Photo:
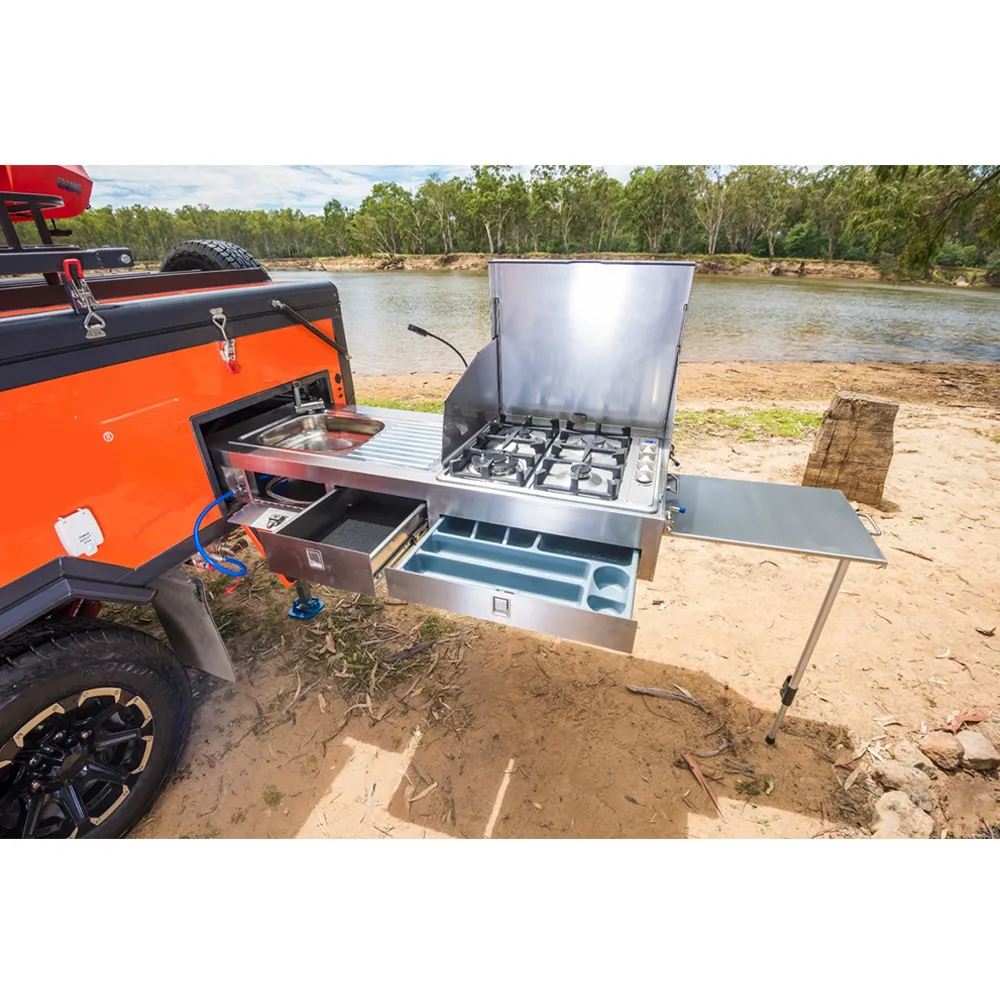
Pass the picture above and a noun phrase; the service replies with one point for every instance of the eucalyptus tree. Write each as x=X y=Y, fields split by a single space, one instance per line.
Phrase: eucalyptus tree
x=711 y=185
x=658 y=202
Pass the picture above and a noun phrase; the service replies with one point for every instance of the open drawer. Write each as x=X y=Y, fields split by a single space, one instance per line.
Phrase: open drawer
x=345 y=540
x=559 y=586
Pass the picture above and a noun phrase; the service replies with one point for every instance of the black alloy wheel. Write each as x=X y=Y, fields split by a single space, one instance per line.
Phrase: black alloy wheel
x=92 y=720
x=71 y=766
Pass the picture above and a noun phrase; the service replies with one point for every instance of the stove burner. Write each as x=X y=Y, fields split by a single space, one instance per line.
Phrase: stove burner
x=494 y=465
x=578 y=478
x=595 y=439
x=534 y=437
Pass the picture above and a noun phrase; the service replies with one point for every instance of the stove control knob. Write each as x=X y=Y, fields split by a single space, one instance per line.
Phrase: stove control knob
x=644 y=471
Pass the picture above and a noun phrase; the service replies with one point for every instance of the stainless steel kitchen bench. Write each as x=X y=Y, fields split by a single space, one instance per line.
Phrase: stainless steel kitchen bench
x=782 y=518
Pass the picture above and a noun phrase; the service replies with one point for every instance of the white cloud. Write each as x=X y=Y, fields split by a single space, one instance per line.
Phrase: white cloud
x=307 y=188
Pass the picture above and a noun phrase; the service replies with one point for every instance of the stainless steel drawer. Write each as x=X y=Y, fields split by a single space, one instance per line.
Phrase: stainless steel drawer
x=546 y=583
x=345 y=540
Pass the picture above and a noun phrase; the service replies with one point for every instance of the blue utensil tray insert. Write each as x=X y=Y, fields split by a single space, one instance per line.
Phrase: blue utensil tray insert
x=590 y=576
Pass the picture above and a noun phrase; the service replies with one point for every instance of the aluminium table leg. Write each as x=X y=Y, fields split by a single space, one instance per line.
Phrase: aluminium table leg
x=791 y=685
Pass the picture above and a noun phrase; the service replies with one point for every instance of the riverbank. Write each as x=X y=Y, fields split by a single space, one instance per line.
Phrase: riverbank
x=762 y=382
x=740 y=265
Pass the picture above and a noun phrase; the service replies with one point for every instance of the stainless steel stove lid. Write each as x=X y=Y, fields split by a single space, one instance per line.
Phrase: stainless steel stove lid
x=600 y=338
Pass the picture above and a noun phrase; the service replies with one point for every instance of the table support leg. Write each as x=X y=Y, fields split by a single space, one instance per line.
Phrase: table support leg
x=791 y=685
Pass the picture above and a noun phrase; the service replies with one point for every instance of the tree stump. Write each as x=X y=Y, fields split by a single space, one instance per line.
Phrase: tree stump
x=854 y=447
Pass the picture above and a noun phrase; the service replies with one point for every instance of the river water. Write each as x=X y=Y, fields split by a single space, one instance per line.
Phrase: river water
x=729 y=319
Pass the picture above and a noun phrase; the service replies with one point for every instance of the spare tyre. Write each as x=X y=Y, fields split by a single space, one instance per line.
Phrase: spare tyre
x=208 y=255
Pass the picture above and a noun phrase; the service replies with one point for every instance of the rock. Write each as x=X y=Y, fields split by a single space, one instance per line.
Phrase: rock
x=991 y=730
x=979 y=753
x=907 y=752
x=942 y=748
x=893 y=776
x=853 y=448
x=897 y=816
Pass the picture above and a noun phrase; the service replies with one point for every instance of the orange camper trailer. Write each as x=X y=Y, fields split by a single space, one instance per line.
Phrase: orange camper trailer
x=110 y=384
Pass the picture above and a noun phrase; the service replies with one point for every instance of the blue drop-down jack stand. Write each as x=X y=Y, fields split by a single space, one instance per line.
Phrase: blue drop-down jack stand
x=305 y=607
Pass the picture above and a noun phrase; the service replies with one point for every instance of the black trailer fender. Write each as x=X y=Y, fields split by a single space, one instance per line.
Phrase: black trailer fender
x=182 y=607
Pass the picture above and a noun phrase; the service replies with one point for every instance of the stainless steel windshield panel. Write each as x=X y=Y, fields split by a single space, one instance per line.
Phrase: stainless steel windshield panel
x=473 y=402
x=597 y=338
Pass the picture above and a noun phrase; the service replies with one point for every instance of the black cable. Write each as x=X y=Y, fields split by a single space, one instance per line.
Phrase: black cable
x=290 y=312
x=413 y=328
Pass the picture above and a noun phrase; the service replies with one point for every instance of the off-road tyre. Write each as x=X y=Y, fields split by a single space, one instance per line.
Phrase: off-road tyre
x=207 y=255
x=60 y=767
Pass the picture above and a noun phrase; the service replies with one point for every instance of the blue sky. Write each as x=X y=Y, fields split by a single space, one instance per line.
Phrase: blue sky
x=305 y=187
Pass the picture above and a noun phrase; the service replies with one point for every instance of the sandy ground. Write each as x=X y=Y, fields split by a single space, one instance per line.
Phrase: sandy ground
x=503 y=732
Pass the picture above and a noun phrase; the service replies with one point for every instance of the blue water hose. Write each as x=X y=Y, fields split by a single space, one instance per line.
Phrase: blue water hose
x=241 y=569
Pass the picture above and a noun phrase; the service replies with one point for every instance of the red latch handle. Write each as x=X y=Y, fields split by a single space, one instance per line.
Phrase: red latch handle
x=68 y=270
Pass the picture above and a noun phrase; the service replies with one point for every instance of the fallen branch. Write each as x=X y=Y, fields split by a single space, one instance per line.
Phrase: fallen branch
x=681 y=695
x=410 y=799
x=696 y=771
x=302 y=692
x=405 y=654
x=910 y=552
x=711 y=753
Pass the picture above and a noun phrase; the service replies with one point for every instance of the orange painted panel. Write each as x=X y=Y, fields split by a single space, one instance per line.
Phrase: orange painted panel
x=119 y=441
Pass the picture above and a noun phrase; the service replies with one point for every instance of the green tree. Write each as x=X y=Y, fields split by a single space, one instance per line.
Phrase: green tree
x=711 y=187
x=335 y=228
x=494 y=195
x=804 y=240
x=442 y=200
x=659 y=201
x=383 y=220
x=910 y=212
x=607 y=207
x=831 y=203
x=559 y=198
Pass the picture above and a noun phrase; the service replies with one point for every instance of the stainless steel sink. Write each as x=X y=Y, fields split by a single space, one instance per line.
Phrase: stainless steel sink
x=326 y=430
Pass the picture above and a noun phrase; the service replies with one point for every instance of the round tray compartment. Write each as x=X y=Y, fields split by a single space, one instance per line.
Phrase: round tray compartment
x=609 y=590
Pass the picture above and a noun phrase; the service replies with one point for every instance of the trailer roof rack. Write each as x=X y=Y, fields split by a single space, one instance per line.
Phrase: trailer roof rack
x=47 y=258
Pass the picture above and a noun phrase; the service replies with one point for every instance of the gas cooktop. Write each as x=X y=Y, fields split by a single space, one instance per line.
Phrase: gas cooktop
x=573 y=459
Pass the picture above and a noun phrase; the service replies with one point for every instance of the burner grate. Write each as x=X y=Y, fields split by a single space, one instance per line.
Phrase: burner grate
x=585 y=478
x=505 y=451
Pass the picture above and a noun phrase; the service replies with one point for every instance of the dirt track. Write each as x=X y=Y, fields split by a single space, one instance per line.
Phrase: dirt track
x=726 y=624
